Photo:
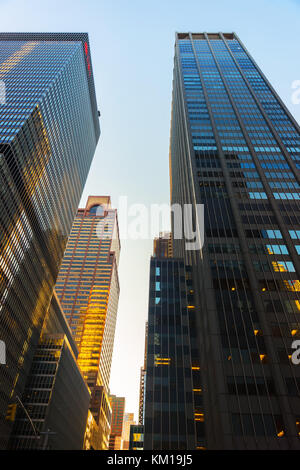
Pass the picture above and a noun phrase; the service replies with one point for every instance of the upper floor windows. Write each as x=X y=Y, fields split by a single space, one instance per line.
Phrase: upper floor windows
x=258 y=195
x=295 y=234
x=271 y=233
x=283 y=266
x=257 y=425
x=295 y=196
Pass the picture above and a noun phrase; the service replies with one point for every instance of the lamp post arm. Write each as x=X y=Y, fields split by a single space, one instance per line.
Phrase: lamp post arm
x=27 y=414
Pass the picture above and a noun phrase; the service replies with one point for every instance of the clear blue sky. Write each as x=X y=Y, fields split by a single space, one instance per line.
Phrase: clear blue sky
x=132 y=54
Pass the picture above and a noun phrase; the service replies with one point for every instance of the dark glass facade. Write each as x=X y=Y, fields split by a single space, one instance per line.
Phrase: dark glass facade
x=236 y=149
x=171 y=419
x=136 y=440
x=48 y=134
x=55 y=396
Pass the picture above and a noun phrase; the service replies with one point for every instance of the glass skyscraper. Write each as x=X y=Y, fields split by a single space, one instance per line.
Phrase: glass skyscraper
x=235 y=148
x=172 y=417
x=88 y=286
x=88 y=289
x=117 y=420
x=48 y=134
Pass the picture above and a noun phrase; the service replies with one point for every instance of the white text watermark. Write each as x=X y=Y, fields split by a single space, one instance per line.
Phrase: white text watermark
x=141 y=222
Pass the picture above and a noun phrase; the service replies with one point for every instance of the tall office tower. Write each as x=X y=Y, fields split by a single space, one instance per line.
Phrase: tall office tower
x=88 y=286
x=101 y=410
x=118 y=410
x=171 y=418
x=88 y=289
x=143 y=380
x=48 y=134
x=91 y=433
x=235 y=148
x=127 y=422
x=56 y=397
x=162 y=245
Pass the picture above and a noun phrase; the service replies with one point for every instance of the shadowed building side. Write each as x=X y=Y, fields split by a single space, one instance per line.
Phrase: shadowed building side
x=235 y=148
x=173 y=414
x=56 y=397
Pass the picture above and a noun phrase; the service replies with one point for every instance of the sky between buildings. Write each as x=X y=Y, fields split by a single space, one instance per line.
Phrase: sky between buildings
x=132 y=46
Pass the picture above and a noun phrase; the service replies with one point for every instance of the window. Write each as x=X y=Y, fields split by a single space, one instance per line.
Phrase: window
x=272 y=233
x=250 y=385
x=257 y=424
x=97 y=210
x=294 y=234
x=286 y=196
x=293 y=385
x=257 y=195
x=277 y=250
x=283 y=266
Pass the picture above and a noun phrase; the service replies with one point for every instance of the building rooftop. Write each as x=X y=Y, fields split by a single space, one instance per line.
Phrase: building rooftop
x=67 y=37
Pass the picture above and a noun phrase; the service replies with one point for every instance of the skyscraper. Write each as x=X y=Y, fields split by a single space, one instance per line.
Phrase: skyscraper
x=88 y=289
x=127 y=422
x=88 y=286
x=101 y=410
x=170 y=418
x=235 y=148
x=48 y=134
x=118 y=410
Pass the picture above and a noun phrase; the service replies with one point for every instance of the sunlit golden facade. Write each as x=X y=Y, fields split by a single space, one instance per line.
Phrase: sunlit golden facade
x=88 y=288
x=100 y=407
x=90 y=436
